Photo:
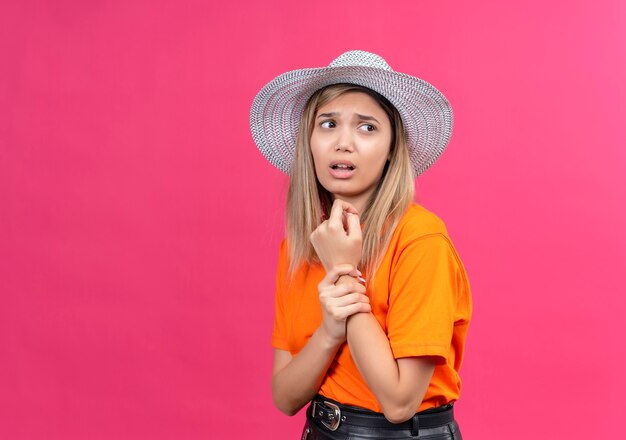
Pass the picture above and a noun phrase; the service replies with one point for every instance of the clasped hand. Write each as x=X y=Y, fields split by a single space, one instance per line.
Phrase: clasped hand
x=338 y=242
x=338 y=239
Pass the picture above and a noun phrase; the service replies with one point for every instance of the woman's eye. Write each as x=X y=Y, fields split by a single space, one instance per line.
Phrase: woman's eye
x=327 y=124
x=367 y=127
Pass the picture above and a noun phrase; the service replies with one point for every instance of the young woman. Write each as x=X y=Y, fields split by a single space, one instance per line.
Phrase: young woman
x=372 y=301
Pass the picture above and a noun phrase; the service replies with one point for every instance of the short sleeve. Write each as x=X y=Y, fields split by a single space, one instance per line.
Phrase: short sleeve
x=279 y=334
x=423 y=295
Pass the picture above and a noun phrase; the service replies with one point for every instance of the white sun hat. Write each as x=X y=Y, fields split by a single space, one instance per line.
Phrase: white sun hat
x=278 y=107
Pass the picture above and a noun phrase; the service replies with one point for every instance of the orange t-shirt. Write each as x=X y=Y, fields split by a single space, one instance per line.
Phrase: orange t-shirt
x=420 y=297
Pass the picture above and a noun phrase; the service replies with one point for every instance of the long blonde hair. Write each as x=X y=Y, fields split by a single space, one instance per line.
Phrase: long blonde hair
x=307 y=199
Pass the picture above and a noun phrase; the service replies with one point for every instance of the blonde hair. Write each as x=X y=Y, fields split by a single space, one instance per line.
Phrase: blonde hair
x=307 y=199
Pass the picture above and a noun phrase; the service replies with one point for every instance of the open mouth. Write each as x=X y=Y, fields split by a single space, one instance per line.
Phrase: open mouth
x=342 y=166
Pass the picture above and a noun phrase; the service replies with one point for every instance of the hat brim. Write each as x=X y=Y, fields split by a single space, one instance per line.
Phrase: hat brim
x=277 y=110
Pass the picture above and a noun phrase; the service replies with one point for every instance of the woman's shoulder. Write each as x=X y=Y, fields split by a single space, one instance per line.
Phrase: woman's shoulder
x=424 y=232
x=418 y=222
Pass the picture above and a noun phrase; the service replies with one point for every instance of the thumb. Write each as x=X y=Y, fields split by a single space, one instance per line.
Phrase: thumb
x=354 y=226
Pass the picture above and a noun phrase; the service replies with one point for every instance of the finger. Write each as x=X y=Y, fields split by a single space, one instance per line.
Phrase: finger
x=354 y=226
x=314 y=236
x=333 y=274
x=336 y=212
x=344 y=312
x=345 y=206
x=346 y=300
x=341 y=290
x=336 y=215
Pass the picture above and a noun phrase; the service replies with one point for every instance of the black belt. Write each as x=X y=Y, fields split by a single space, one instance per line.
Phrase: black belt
x=331 y=414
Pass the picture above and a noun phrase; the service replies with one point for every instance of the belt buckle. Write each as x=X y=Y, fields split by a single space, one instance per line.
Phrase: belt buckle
x=334 y=416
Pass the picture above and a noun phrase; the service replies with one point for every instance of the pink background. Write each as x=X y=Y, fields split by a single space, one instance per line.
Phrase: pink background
x=139 y=225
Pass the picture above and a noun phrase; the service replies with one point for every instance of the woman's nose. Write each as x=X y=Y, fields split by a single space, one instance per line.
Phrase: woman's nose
x=343 y=147
x=345 y=142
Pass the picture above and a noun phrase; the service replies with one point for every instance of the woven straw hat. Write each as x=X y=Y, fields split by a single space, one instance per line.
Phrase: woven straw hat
x=278 y=107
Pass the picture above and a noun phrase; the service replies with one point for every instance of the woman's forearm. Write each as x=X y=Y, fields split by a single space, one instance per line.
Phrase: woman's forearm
x=298 y=379
x=372 y=355
x=398 y=385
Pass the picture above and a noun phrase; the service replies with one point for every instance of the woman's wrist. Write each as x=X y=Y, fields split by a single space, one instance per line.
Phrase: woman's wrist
x=327 y=341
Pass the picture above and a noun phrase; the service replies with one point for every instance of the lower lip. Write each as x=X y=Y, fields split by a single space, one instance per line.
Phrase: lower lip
x=339 y=173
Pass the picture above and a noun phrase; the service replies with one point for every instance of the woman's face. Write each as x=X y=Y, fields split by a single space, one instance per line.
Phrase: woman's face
x=350 y=144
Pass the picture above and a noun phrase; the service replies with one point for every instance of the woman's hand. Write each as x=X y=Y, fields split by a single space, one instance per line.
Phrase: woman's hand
x=338 y=240
x=340 y=302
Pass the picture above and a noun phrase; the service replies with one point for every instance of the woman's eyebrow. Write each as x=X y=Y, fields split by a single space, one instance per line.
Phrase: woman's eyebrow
x=367 y=118
x=361 y=117
x=327 y=115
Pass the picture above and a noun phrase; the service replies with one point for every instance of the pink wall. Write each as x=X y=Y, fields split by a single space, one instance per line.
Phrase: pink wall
x=139 y=225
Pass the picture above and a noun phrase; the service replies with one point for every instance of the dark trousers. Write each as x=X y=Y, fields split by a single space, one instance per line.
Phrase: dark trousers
x=314 y=429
